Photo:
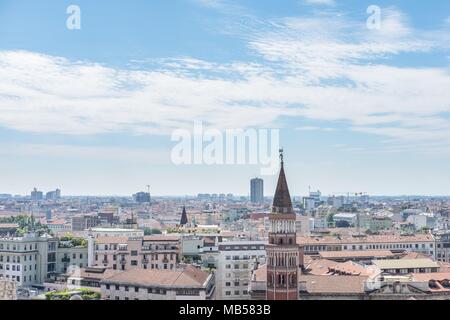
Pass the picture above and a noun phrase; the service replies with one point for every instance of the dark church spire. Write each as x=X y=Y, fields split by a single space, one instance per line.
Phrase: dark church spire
x=184 y=219
x=282 y=200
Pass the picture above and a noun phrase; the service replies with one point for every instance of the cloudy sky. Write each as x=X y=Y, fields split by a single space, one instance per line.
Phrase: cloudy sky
x=360 y=108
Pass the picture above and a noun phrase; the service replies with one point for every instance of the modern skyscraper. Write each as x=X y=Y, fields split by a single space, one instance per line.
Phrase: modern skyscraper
x=53 y=195
x=257 y=190
x=142 y=197
x=36 y=195
x=283 y=253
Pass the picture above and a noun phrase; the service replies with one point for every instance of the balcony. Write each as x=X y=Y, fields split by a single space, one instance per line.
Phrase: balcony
x=123 y=261
x=65 y=259
x=145 y=261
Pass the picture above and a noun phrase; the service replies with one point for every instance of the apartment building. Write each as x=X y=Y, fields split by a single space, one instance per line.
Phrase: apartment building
x=442 y=240
x=421 y=243
x=149 y=252
x=27 y=260
x=140 y=284
x=69 y=257
x=84 y=222
x=31 y=260
x=236 y=260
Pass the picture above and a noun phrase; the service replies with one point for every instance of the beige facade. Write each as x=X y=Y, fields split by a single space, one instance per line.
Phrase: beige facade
x=152 y=252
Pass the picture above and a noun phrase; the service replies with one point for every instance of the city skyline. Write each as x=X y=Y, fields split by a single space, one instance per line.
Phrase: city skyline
x=92 y=111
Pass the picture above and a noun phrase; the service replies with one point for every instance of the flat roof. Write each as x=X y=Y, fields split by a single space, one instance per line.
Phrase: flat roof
x=405 y=264
x=356 y=254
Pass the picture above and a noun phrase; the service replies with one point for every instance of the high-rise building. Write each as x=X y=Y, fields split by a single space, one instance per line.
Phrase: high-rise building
x=53 y=195
x=257 y=190
x=142 y=197
x=36 y=195
x=283 y=252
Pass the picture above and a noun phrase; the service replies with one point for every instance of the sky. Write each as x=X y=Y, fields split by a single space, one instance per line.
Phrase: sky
x=361 y=100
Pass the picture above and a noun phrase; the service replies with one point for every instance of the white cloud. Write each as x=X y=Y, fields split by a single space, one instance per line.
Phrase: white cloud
x=313 y=128
x=324 y=68
x=321 y=2
x=87 y=152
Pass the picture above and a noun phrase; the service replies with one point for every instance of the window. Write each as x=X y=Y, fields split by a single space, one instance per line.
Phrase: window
x=127 y=288
x=134 y=262
x=107 y=287
x=228 y=293
x=227 y=284
x=134 y=253
x=136 y=289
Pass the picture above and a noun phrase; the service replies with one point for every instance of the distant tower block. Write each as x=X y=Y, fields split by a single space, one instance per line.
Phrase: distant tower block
x=257 y=191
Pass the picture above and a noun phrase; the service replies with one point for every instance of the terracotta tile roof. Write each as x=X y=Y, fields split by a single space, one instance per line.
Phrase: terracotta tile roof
x=405 y=264
x=162 y=238
x=315 y=284
x=112 y=240
x=260 y=274
x=436 y=276
x=189 y=277
x=356 y=254
x=444 y=266
x=320 y=266
x=94 y=273
x=414 y=255
x=305 y=240
x=353 y=269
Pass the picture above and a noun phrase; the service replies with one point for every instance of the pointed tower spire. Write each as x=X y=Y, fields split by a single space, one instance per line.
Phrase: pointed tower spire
x=184 y=219
x=282 y=200
x=283 y=253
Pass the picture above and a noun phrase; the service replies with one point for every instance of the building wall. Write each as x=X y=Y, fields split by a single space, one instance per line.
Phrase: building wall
x=235 y=263
x=426 y=247
x=24 y=260
x=137 y=253
x=69 y=257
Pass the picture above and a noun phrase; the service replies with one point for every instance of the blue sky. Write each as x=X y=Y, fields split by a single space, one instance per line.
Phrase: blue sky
x=91 y=111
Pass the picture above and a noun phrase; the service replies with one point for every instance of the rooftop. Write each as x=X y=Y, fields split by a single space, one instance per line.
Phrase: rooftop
x=405 y=264
x=189 y=277
x=366 y=239
x=356 y=254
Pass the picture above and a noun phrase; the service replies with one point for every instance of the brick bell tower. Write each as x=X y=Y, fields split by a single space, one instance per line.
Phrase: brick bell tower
x=283 y=252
